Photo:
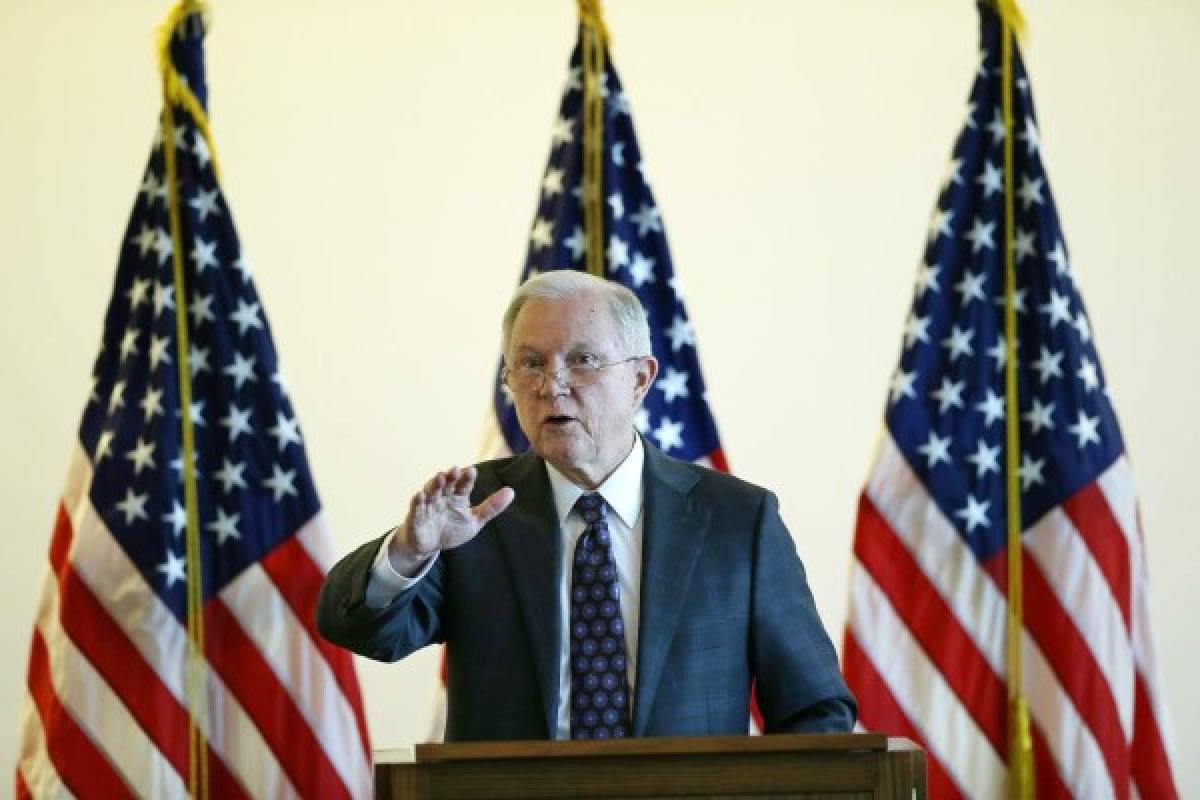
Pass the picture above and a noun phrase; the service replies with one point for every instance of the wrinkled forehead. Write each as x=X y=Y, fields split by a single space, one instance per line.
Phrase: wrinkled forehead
x=553 y=325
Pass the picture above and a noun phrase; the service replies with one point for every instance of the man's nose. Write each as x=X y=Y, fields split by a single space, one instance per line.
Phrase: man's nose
x=554 y=383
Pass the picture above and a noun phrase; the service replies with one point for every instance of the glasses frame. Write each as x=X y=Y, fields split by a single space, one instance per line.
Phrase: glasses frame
x=593 y=373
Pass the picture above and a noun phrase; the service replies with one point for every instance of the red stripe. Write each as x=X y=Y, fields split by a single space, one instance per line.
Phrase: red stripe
x=1046 y=779
x=116 y=659
x=20 y=790
x=1151 y=767
x=879 y=711
x=1089 y=511
x=80 y=765
x=298 y=579
x=717 y=459
x=932 y=622
x=252 y=680
x=1077 y=671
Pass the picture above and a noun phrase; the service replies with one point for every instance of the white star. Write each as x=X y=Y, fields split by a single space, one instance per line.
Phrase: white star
x=1030 y=191
x=1059 y=257
x=205 y=203
x=174 y=569
x=1030 y=471
x=618 y=152
x=177 y=465
x=618 y=205
x=970 y=121
x=1085 y=429
x=158 y=351
x=204 y=254
x=279 y=380
x=576 y=243
x=243 y=266
x=681 y=333
x=980 y=235
x=150 y=187
x=281 y=482
x=936 y=450
x=164 y=297
x=201 y=309
x=641 y=270
x=927 y=279
x=618 y=253
x=959 y=343
x=238 y=422
x=225 y=525
x=103 y=446
x=949 y=395
x=1081 y=325
x=230 y=475
x=574 y=79
x=953 y=172
x=285 y=431
x=116 y=398
x=163 y=245
x=903 y=385
x=974 y=513
x=669 y=434
x=971 y=287
x=142 y=456
x=939 y=224
x=1018 y=301
x=1059 y=308
x=1048 y=365
x=133 y=506
x=916 y=329
x=1030 y=136
x=137 y=292
x=1087 y=374
x=241 y=369
x=1023 y=245
x=200 y=150
x=561 y=133
x=246 y=316
x=996 y=127
x=198 y=413
x=198 y=360
x=991 y=179
x=641 y=420
x=1040 y=416
x=129 y=343
x=144 y=241
x=177 y=519
x=647 y=218
x=986 y=459
x=552 y=183
x=999 y=351
x=151 y=403
x=992 y=407
x=620 y=104
x=542 y=234
x=673 y=385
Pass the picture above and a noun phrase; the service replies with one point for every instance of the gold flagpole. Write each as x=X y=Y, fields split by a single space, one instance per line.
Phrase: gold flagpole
x=594 y=34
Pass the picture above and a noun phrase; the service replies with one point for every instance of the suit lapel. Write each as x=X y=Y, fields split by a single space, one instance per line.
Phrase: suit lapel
x=672 y=536
x=529 y=535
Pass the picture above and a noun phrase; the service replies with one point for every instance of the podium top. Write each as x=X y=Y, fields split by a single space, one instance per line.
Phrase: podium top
x=654 y=745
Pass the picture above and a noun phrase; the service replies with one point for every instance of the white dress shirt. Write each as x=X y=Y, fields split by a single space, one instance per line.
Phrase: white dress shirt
x=623 y=493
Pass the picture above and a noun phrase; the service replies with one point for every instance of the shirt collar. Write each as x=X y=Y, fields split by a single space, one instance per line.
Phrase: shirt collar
x=622 y=491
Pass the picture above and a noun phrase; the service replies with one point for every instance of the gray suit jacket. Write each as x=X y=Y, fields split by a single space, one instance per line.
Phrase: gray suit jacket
x=724 y=602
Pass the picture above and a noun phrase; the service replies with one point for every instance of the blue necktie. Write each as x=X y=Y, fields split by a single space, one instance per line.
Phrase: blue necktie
x=599 y=686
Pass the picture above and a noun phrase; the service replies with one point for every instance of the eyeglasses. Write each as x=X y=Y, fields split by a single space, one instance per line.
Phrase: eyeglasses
x=582 y=371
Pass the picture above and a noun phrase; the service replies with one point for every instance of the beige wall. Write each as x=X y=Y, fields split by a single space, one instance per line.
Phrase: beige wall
x=382 y=160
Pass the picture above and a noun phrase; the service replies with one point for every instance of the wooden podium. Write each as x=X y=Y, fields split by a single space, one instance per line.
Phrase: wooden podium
x=842 y=766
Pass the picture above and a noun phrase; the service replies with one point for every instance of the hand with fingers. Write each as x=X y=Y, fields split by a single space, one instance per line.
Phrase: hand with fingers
x=441 y=517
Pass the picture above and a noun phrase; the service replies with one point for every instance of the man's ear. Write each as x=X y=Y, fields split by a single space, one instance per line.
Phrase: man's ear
x=644 y=376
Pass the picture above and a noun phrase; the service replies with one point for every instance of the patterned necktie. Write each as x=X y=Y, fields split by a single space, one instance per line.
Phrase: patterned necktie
x=599 y=686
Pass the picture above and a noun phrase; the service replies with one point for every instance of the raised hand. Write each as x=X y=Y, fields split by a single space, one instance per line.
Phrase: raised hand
x=441 y=517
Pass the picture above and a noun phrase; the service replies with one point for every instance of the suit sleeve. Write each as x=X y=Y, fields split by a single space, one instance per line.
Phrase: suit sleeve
x=799 y=685
x=411 y=621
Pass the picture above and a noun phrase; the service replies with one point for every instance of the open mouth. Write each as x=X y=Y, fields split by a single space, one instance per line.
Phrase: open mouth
x=558 y=420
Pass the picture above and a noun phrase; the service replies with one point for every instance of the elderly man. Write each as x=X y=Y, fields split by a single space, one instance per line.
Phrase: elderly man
x=592 y=587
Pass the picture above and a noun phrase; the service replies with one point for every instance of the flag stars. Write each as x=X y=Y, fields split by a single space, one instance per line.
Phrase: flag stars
x=997 y=128
x=673 y=385
x=1085 y=429
x=617 y=203
x=173 y=569
x=164 y=298
x=999 y=351
x=552 y=183
x=542 y=234
x=1040 y=416
x=1030 y=136
x=927 y=275
x=936 y=450
x=991 y=179
x=200 y=150
x=971 y=287
x=641 y=270
x=201 y=309
x=902 y=385
x=992 y=408
x=647 y=218
x=980 y=236
x=224 y=526
x=230 y=475
x=281 y=483
x=974 y=514
x=1023 y=245
x=959 y=343
x=1082 y=326
x=204 y=254
x=163 y=246
x=949 y=395
x=916 y=329
x=1030 y=191
x=158 y=351
x=205 y=203
x=1030 y=471
x=1018 y=301
x=241 y=369
x=939 y=224
x=177 y=519
x=669 y=434
x=1087 y=373
x=680 y=333
x=116 y=398
x=246 y=316
x=103 y=447
x=561 y=133
x=242 y=265
x=133 y=506
x=284 y=431
x=618 y=253
x=237 y=421
x=576 y=243
x=137 y=293
x=952 y=173
x=151 y=188
x=1058 y=308
x=1048 y=365
x=986 y=459
x=1058 y=257
x=198 y=360
x=129 y=343
x=142 y=456
x=144 y=241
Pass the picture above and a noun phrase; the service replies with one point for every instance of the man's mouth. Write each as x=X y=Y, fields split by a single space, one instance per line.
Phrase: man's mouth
x=558 y=420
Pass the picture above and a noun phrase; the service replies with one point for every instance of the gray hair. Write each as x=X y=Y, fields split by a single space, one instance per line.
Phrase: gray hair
x=633 y=329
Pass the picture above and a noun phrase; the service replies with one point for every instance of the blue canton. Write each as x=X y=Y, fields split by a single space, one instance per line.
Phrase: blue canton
x=675 y=414
x=252 y=475
x=946 y=406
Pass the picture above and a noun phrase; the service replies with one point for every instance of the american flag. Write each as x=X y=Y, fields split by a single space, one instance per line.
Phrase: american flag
x=675 y=414
x=925 y=645
x=106 y=713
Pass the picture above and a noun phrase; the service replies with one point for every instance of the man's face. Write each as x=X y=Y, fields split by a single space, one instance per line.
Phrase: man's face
x=586 y=431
